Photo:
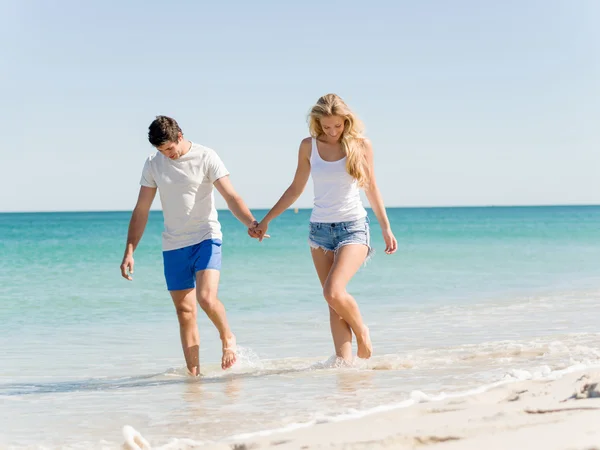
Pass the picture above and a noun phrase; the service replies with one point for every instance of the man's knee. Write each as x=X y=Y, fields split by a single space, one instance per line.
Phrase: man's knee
x=207 y=300
x=185 y=313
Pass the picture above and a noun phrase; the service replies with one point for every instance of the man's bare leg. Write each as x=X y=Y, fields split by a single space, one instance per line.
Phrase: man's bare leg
x=185 y=305
x=207 y=285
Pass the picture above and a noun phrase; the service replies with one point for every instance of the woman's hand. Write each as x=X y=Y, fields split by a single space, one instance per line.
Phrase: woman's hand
x=261 y=230
x=391 y=244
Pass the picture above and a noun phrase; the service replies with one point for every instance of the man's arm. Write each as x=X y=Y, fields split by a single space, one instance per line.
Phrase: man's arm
x=234 y=202
x=137 y=225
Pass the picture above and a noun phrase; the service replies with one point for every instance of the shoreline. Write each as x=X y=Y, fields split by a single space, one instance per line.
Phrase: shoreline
x=560 y=413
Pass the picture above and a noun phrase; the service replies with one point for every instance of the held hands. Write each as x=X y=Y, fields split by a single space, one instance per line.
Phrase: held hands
x=391 y=244
x=258 y=230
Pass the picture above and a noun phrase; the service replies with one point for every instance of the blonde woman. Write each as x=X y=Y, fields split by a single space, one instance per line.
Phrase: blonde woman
x=340 y=160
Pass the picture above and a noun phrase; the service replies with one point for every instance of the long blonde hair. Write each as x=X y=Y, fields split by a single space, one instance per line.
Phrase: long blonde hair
x=352 y=139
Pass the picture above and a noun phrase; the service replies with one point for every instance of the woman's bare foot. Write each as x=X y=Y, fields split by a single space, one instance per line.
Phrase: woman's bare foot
x=365 y=348
x=229 y=352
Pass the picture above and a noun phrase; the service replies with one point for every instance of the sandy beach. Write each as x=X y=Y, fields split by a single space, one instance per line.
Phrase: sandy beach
x=561 y=414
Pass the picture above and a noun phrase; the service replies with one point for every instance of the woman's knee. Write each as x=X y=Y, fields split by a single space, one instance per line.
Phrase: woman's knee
x=334 y=295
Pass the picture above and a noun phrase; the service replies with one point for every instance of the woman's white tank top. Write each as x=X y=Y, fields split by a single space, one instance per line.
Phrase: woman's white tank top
x=337 y=195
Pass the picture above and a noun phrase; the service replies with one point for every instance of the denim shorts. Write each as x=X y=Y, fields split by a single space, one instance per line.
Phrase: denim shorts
x=182 y=264
x=333 y=236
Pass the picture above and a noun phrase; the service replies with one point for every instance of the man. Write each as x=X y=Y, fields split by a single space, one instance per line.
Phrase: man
x=184 y=174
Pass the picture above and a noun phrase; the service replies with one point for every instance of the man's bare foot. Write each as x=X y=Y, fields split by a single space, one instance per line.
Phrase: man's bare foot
x=193 y=372
x=229 y=352
x=365 y=348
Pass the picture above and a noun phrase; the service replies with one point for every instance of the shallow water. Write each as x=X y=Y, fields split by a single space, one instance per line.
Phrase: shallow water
x=474 y=296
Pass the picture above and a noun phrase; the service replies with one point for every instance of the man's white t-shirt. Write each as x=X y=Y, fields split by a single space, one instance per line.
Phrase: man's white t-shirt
x=185 y=186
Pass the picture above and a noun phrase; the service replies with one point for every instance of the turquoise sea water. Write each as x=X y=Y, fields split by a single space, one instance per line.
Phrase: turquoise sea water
x=473 y=296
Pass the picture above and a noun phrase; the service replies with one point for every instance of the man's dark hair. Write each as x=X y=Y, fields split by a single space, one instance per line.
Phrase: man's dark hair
x=163 y=129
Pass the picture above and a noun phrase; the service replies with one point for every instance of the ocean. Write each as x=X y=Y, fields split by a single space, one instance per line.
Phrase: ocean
x=473 y=297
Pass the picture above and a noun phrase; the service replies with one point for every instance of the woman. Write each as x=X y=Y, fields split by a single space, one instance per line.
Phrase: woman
x=340 y=161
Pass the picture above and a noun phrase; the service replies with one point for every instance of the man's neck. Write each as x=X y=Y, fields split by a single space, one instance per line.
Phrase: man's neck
x=187 y=145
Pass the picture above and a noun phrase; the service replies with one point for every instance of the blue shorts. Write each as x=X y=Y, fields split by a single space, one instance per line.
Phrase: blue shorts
x=182 y=264
x=333 y=236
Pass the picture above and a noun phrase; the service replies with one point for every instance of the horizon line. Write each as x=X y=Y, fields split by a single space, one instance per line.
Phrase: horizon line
x=533 y=205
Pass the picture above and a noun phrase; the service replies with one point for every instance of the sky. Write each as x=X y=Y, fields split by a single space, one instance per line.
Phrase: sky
x=466 y=102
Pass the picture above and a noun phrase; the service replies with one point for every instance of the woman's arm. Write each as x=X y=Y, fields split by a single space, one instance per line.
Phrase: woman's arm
x=294 y=191
x=376 y=201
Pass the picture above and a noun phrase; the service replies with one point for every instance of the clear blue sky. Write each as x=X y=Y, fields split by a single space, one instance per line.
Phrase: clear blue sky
x=467 y=102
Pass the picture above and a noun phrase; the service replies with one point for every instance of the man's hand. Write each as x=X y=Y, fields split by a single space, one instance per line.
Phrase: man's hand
x=257 y=232
x=127 y=267
x=137 y=223
x=261 y=230
x=251 y=230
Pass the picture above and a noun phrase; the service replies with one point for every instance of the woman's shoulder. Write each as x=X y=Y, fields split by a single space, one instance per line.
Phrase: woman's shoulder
x=306 y=145
x=365 y=142
x=306 y=141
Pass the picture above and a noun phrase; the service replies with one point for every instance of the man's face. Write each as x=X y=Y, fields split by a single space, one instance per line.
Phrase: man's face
x=172 y=150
